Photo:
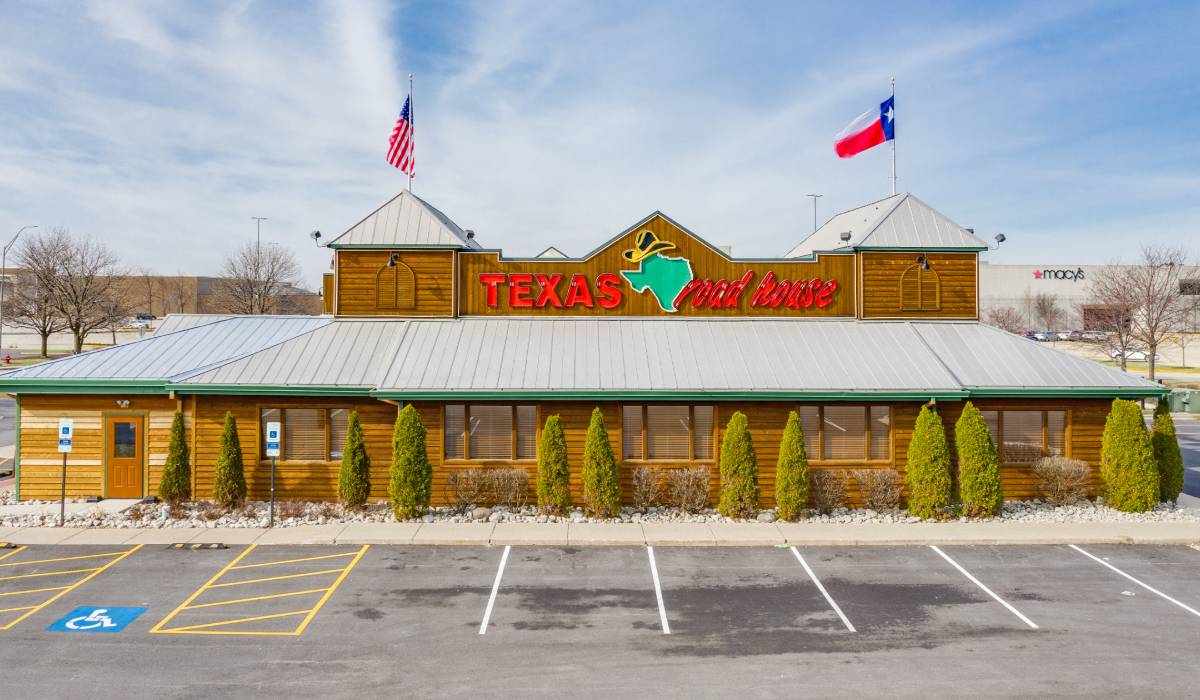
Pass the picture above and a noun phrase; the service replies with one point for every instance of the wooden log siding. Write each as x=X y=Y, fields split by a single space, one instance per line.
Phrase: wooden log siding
x=356 y=274
x=706 y=264
x=881 y=272
x=41 y=462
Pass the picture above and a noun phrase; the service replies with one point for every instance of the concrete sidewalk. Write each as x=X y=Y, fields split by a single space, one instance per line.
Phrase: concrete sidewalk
x=697 y=534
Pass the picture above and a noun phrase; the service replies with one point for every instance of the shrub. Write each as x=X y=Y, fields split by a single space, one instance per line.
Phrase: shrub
x=978 y=467
x=687 y=488
x=739 y=470
x=508 y=487
x=289 y=509
x=1127 y=464
x=354 y=476
x=1061 y=481
x=791 y=471
x=880 y=488
x=176 y=483
x=645 y=486
x=467 y=487
x=928 y=473
x=411 y=476
x=1166 y=454
x=229 y=478
x=601 y=483
x=828 y=490
x=553 y=478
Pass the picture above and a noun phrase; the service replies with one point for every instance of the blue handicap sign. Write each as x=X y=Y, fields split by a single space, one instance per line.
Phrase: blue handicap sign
x=90 y=618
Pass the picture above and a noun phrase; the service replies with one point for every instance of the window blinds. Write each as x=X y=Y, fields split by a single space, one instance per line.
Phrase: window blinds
x=304 y=434
x=491 y=431
x=668 y=430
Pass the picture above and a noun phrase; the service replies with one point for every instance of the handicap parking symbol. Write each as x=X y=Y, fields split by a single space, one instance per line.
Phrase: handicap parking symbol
x=93 y=619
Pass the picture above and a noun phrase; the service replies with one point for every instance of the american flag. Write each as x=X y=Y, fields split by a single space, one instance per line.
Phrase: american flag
x=400 y=145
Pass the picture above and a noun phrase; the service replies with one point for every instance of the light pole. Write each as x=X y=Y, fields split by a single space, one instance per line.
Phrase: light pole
x=4 y=280
x=815 y=197
x=258 y=229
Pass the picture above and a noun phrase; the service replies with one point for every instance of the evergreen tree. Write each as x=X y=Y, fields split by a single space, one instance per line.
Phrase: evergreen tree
x=739 y=470
x=791 y=471
x=1127 y=464
x=354 y=476
x=601 y=483
x=553 y=478
x=928 y=473
x=411 y=482
x=176 y=482
x=1166 y=453
x=978 y=467
x=229 y=478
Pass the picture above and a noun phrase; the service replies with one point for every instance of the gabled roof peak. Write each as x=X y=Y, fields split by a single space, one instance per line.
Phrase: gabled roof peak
x=899 y=221
x=405 y=220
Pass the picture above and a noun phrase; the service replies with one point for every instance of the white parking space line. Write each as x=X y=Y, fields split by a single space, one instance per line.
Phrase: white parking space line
x=487 y=613
x=662 y=609
x=1153 y=590
x=824 y=592
x=984 y=588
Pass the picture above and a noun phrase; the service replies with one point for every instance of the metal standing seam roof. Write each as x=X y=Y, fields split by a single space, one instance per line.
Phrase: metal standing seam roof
x=163 y=356
x=180 y=322
x=339 y=355
x=404 y=220
x=899 y=221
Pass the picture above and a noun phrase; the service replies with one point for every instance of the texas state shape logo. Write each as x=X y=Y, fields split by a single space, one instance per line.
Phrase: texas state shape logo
x=662 y=276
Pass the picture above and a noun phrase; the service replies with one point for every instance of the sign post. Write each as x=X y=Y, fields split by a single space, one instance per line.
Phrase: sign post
x=66 y=431
x=272 y=452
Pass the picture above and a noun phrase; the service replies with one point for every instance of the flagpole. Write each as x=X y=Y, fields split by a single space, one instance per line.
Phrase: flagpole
x=893 y=136
x=412 y=135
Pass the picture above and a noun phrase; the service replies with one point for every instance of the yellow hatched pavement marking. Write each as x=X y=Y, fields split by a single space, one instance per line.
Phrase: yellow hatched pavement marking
x=18 y=550
x=119 y=556
x=49 y=573
x=291 y=561
x=197 y=606
x=24 y=607
x=206 y=628
x=34 y=590
x=50 y=561
x=276 y=578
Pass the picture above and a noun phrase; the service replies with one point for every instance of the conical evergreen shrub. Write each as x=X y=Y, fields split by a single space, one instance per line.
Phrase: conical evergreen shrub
x=229 y=478
x=1127 y=464
x=601 y=483
x=411 y=482
x=739 y=470
x=978 y=467
x=354 y=476
x=1166 y=453
x=928 y=472
x=553 y=478
x=176 y=482
x=791 y=471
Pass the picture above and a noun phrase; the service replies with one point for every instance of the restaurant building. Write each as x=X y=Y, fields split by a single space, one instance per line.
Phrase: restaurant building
x=857 y=327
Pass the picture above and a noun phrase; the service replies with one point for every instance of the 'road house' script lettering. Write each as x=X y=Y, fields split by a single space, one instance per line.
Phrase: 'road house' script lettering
x=771 y=293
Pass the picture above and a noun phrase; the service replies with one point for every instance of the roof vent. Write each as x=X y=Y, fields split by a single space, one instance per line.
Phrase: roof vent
x=470 y=235
x=971 y=231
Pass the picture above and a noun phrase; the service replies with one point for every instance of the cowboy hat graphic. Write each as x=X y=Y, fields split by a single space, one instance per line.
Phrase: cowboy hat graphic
x=647 y=244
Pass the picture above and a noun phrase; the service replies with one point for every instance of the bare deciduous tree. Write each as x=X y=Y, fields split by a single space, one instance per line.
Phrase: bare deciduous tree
x=253 y=278
x=1006 y=318
x=1047 y=311
x=78 y=274
x=148 y=285
x=1146 y=301
x=32 y=308
x=177 y=294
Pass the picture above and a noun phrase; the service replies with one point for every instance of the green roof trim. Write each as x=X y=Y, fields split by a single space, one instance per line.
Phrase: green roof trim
x=83 y=386
x=672 y=395
x=269 y=390
x=393 y=246
x=925 y=249
x=1073 y=393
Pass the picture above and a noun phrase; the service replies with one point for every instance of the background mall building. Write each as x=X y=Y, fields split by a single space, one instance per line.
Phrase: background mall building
x=858 y=326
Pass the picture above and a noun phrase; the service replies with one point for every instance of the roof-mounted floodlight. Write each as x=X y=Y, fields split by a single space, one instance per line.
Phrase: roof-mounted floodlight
x=1000 y=238
x=845 y=236
x=316 y=237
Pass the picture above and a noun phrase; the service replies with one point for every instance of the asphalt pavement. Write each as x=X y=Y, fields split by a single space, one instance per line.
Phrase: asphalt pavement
x=419 y=621
x=1187 y=432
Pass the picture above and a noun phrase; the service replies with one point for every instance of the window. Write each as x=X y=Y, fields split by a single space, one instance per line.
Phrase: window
x=920 y=287
x=847 y=433
x=667 y=432
x=490 y=432
x=395 y=285
x=309 y=434
x=1023 y=437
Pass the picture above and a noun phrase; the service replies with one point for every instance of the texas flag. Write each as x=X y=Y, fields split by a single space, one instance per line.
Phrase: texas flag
x=872 y=128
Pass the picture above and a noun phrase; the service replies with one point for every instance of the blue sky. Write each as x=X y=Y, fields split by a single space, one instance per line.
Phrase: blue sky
x=163 y=127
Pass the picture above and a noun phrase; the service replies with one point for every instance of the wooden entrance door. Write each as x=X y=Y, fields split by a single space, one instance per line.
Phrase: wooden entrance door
x=123 y=456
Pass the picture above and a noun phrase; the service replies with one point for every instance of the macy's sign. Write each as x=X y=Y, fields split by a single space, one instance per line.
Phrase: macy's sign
x=1070 y=275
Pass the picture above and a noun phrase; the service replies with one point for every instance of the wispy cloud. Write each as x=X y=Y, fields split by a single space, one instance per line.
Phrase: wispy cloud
x=163 y=127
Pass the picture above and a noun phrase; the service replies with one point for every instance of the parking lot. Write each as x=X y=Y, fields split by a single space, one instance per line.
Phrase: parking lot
x=329 y=621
